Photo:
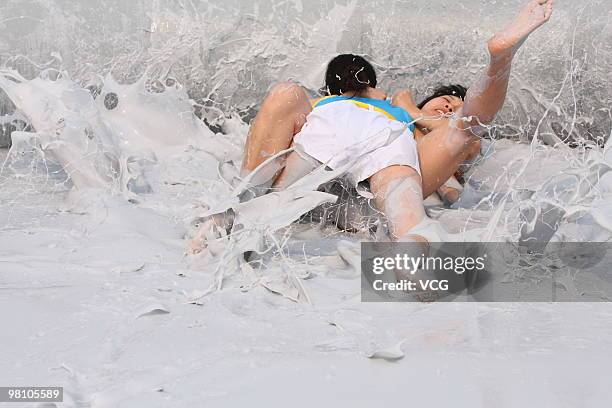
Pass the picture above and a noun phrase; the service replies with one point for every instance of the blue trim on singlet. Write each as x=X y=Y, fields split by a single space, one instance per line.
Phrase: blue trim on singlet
x=395 y=111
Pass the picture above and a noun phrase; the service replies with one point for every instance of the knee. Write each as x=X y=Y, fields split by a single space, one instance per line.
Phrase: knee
x=286 y=97
x=386 y=181
x=473 y=126
x=461 y=137
x=284 y=86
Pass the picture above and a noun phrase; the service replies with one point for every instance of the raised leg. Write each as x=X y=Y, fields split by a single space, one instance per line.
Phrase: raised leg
x=282 y=115
x=443 y=149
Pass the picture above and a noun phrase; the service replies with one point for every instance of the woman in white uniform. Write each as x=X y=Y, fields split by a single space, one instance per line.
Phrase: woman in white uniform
x=356 y=124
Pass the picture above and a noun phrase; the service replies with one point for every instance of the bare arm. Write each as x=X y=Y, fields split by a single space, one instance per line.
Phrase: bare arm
x=403 y=99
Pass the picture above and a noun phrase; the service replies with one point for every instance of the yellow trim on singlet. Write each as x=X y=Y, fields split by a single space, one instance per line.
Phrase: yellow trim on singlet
x=360 y=104
x=315 y=102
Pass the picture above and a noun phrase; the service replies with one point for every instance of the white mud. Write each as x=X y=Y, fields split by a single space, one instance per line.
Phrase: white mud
x=98 y=199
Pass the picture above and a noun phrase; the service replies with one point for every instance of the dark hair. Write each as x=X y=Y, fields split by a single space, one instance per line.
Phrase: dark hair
x=454 y=90
x=348 y=73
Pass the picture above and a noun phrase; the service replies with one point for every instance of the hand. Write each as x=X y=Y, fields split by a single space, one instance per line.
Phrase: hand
x=404 y=100
x=374 y=93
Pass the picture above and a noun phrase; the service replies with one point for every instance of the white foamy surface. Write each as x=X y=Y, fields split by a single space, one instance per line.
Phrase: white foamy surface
x=97 y=297
x=96 y=294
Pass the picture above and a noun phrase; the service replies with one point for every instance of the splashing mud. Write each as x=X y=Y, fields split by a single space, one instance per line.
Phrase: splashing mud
x=147 y=138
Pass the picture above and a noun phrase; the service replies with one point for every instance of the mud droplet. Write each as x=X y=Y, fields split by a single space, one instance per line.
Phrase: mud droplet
x=111 y=100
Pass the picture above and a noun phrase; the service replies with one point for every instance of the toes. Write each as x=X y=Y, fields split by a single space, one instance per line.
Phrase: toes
x=543 y=3
x=549 y=9
x=194 y=249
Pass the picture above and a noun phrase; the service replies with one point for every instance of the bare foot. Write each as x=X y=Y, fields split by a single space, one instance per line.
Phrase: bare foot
x=419 y=248
x=210 y=229
x=532 y=16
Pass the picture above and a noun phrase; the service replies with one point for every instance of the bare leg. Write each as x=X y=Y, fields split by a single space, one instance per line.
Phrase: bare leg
x=444 y=149
x=397 y=193
x=282 y=115
x=298 y=165
x=486 y=97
